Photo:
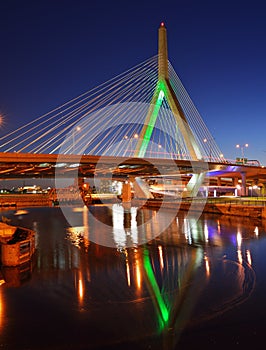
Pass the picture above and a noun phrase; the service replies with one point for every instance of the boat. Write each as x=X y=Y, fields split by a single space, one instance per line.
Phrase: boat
x=17 y=244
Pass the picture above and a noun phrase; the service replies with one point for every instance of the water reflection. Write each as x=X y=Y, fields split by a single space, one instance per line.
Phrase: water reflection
x=125 y=226
x=145 y=294
x=1 y=308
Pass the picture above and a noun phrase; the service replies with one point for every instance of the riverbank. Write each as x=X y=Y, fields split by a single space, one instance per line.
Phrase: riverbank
x=242 y=206
x=247 y=207
x=14 y=201
x=19 y=201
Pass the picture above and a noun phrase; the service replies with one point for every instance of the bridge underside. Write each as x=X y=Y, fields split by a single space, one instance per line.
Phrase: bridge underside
x=17 y=165
x=25 y=165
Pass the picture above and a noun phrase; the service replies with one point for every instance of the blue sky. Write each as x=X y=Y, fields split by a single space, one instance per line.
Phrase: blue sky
x=52 y=51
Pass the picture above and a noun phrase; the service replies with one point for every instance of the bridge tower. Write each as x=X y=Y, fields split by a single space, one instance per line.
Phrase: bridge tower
x=162 y=91
x=165 y=90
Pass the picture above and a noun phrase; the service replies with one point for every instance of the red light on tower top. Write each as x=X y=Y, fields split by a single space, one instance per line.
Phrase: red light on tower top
x=162 y=24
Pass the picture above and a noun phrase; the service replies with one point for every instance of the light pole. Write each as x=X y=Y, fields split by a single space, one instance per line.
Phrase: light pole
x=136 y=136
x=210 y=148
x=77 y=129
x=131 y=143
x=242 y=147
x=128 y=149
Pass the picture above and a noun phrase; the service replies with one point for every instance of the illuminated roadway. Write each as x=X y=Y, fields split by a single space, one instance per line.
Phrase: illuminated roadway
x=21 y=165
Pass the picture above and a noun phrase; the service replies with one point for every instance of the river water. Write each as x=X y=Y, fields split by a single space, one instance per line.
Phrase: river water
x=197 y=281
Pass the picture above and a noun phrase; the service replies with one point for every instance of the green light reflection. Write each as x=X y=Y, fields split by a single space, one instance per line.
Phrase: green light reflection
x=164 y=313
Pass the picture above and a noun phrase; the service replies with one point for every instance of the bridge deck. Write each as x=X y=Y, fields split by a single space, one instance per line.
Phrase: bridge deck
x=17 y=165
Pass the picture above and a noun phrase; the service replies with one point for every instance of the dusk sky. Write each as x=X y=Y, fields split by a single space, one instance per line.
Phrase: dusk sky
x=53 y=51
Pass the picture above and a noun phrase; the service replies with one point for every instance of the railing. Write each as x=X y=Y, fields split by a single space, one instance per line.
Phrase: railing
x=245 y=201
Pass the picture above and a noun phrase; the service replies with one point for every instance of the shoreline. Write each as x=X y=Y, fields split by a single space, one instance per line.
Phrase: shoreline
x=242 y=206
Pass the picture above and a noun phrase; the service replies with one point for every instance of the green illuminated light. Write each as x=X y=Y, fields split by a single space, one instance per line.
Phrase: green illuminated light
x=152 y=121
x=161 y=96
x=162 y=307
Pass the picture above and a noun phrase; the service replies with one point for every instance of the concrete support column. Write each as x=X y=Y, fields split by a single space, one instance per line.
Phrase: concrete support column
x=235 y=181
x=126 y=192
x=141 y=188
x=194 y=185
x=243 y=185
x=219 y=182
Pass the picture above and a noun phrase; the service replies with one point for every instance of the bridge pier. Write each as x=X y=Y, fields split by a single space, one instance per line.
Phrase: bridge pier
x=126 y=192
x=243 y=184
x=194 y=184
x=141 y=188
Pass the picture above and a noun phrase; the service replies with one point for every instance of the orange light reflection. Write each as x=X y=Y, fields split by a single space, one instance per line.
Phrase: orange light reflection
x=128 y=270
x=207 y=266
x=249 y=257
x=81 y=290
x=239 y=256
x=161 y=256
x=1 y=309
x=138 y=275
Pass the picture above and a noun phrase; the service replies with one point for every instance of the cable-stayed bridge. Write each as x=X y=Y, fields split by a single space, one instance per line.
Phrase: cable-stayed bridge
x=134 y=124
x=107 y=120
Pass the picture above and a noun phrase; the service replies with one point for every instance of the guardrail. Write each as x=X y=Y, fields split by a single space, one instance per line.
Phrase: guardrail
x=239 y=201
x=244 y=201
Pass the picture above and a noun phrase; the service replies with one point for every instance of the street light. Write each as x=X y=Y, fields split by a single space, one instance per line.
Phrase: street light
x=210 y=147
x=131 y=139
x=75 y=130
x=242 y=147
